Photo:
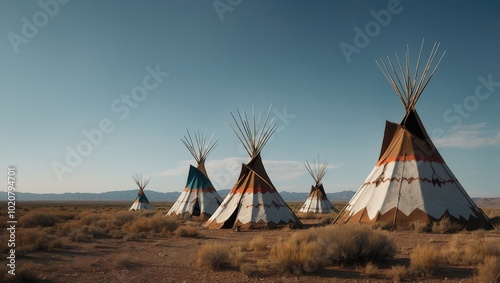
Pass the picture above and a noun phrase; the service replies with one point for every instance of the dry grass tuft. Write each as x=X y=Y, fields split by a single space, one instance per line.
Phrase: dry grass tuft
x=186 y=232
x=258 y=244
x=446 y=226
x=420 y=227
x=154 y=225
x=454 y=254
x=370 y=270
x=425 y=260
x=236 y=256
x=297 y=256
x=474 y=253
x=398 y=273
x=489 y=270
x=213 y=256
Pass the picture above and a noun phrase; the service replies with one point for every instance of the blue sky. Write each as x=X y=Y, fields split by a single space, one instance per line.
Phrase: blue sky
x=69 y=67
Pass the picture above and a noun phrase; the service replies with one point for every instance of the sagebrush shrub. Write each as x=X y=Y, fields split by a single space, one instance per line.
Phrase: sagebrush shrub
x=39 y=219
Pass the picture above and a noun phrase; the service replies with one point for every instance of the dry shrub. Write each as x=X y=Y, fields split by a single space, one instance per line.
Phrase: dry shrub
x=89 y=218
x=39 y=219
x=213 y=256
x=30 y=239
x=33 y=239
x=258 y=244
x=359 y=243
x=78 y=235
x=306 y=251
x=123 y=217
x=297 y=255
x=425 y=260
x=186 y=232
x=489 y=270
x=398 y=273
x=446 y=226
x=155 y=225
x=420 y=227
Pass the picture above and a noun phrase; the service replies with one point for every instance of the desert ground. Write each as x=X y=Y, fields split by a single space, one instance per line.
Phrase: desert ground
x=104 y=242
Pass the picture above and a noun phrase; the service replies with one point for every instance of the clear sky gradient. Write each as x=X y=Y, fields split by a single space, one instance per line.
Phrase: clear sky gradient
x=70 y=69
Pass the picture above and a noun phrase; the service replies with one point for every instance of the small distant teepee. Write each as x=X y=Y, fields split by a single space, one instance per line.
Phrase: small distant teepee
x=317 y=201
x=411 y=181
x=199 y=197
x=253 y=202
x=141 y=201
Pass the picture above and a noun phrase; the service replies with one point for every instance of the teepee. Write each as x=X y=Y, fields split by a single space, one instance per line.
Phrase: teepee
x=199 y=197
x=317 y=201
x=141 y=201
x=411 y=181
x=253 y=202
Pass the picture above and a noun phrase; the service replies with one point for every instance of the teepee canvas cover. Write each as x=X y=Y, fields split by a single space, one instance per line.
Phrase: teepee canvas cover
x=199 y=197
x=141 y=201
x=411 y=181
x=253 y=202
x=317 y=201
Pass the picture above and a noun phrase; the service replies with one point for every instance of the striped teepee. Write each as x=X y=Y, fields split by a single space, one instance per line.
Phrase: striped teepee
x=253 y=202
x=317 y=201
x=141 y=201
x=199 y=197
x=411 y=181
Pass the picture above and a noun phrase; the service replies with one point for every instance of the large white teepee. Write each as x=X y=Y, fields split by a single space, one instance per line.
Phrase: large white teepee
x=253 y=202
x=411 y=181
x=199 y=197
x=317 y=201
x=141 y=201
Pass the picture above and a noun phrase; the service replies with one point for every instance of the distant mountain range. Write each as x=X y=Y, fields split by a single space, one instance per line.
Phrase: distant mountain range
x=153 y=196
